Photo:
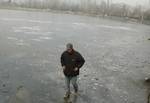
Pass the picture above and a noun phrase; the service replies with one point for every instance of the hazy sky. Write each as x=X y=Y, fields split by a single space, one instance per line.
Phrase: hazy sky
x=130 y=2
x=133 y=2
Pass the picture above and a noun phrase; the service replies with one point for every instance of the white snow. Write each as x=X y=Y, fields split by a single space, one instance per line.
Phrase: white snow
x=25 y=20
x=115 y=27
x=38 y=40
x=45 y=38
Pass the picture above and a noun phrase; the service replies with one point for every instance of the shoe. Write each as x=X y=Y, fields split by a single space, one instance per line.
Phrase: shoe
x=69 y=101
x=75 y=93
x=67 y=96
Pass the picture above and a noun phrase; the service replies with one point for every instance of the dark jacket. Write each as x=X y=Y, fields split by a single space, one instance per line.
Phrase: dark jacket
x=71 y=61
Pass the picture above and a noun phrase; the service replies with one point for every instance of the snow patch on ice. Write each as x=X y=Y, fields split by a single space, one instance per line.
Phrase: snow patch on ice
x=116 y=27
x=38 y=40
x=83 y=24
x=38 y=21
x=12 y=19
x=27 y=29
x=17 y=41
x=80 y=25
x=34 y=28
x=26 y=20
x=12 y=38
x=32 y=32
x=18 y=31
x=21 y=43
x=46 y=38
x=42 y=38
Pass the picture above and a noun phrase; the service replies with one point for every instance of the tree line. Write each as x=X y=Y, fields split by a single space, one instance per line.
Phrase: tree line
x=102 y=8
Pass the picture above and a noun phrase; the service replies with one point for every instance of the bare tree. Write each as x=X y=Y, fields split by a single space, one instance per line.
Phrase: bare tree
x=103 y=8
x=137 y=13
x=147 y=14
x=124 y=10
x=108 y=7
x=9 y=1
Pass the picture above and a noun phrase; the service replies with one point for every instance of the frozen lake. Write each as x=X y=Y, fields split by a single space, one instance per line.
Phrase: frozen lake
x=117 y=57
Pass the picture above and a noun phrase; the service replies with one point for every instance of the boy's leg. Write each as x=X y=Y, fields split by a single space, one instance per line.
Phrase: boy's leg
x=67 y=82
x=74 y=83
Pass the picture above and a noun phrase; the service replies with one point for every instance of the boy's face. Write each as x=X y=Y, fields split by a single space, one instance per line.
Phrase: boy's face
x=69 y=50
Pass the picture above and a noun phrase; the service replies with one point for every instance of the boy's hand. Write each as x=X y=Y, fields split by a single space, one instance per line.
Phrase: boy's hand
x=76 y=69
x=63 y=67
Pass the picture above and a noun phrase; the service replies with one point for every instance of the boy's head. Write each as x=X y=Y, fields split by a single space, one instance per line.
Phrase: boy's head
x=69 y=47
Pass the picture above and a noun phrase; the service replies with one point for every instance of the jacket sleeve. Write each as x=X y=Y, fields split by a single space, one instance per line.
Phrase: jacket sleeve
x=80 y=61
x=62 y=60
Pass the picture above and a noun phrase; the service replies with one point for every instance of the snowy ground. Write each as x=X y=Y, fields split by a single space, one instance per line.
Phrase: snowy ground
x=117 y=57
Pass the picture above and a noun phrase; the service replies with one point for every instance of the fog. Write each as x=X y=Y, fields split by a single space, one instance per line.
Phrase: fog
x=130 y=2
